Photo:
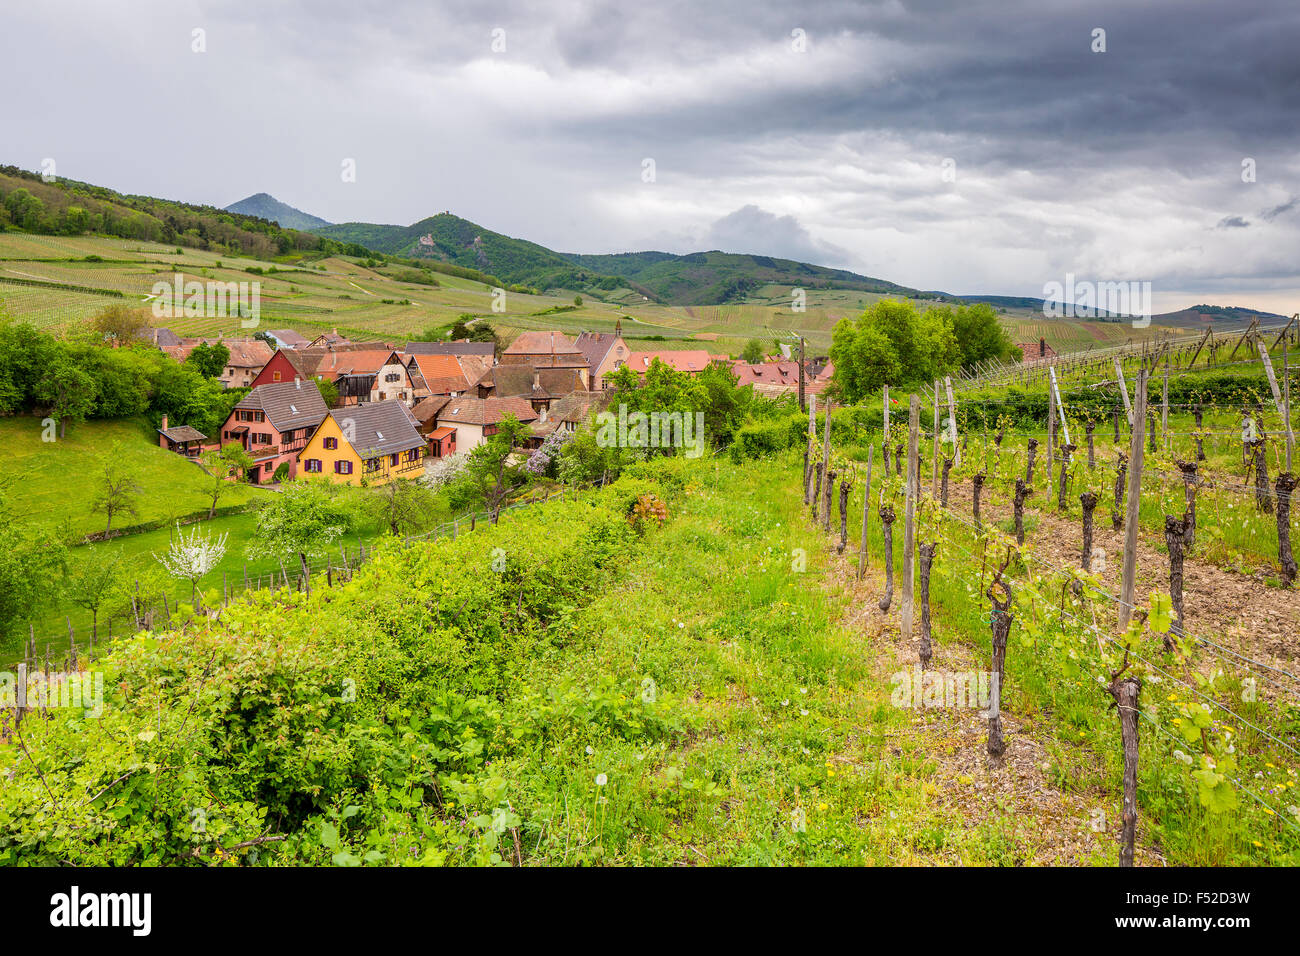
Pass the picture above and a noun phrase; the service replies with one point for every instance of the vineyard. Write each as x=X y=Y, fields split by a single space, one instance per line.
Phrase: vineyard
x=1130 y=587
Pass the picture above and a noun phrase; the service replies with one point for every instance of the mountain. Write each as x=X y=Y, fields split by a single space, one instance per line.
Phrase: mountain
x=266 y=206
x=700 y=278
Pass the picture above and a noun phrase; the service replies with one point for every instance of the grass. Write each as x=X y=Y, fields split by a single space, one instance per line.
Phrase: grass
x=55 y=481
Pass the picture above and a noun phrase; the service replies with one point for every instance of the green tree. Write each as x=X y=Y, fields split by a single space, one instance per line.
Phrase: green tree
x=864 y=360
x=68 y=391
x=92 y=580
x=224 y=466
x=981 y=335
x=210 y=360
x=489 y=470
x=403 y=506
x=116 y=488
x=301 y=521
x=120 y=324
x=753 y=352
x=30 y=559
x=577 y=300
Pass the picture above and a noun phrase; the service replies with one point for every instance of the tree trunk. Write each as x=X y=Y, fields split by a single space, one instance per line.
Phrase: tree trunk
x=1029 y=468
x=1092 y=454
x=977 y=482
x=829 y=503
x=1117 y=515
x=1286 y=483
x=1000 y=626
x=927 y=561
x=1089 y=502
x=844 y=515
x=1151 y=431
x=1066 y=451
x=1263 y=497
x=1115 y=419
x=817 y=490
x=1023 y=491
x=1125 y=693
x=1188 y=468
x=1200 y=447
x=887 y=530
x=943 y=488
x=1175 y=529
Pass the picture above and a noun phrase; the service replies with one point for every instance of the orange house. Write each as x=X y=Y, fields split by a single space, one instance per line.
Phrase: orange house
x=371 y=444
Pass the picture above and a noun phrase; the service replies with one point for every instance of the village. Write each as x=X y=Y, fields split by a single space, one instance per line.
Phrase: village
x=400 y=407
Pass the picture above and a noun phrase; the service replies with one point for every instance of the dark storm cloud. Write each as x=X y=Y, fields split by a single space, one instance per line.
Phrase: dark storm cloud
x=940 y=143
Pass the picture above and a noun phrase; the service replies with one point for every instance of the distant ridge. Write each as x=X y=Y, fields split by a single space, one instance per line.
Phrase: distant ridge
x=266 y=206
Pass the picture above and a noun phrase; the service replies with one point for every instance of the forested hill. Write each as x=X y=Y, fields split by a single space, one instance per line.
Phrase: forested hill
x=68 y=207
x=266 y=206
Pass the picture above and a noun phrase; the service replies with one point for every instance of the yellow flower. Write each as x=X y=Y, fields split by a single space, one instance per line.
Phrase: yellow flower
x=821 y=806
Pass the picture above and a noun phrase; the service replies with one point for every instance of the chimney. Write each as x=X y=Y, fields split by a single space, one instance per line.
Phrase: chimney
x=164 y=421
x=1042 y=346
x=537 y=378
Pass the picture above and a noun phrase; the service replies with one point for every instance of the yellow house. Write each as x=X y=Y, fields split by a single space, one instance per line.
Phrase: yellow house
x=371 y=443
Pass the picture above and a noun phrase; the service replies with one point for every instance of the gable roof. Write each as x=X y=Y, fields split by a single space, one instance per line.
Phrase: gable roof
x=287 y=405
x=577 y=406
x=182 y=433
x=288 y=338
x=485 y=411
x=441 y=374
x=427 y=409
x=378 y=428
x=247 y=353
x=543 y=343
x=594 y=346
x=451 y=348
x=686 y=360
x=336 y=364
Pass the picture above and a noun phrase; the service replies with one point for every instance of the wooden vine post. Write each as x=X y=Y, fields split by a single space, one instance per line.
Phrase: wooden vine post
x=810 y=450
x=934 y=467
x=866 y=512
x=845 y=485
x=1137 y=448
x=1286 y=484
x=1125 y=694
x=826 y=457
x=1283 y=408
x=909 y=513
x=1051 y=444
x=884 y=436
x=1123 y=390
x=927 y=562
x=952 y=419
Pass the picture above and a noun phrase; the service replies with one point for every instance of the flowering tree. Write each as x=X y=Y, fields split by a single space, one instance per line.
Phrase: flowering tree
x=541 y=459
x=441 y=471
x=191 y=558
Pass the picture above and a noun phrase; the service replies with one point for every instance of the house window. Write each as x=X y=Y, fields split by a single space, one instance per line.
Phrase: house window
x=331 y=444
x=392 y=377
x=373 y=464
x=342 y=467
x=394 y=461
x=313 y=465
x=275 y=376
x=413 y=455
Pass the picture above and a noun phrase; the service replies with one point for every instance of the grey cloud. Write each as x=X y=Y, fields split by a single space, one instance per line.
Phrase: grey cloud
x=751 y=229
x=1232 y=222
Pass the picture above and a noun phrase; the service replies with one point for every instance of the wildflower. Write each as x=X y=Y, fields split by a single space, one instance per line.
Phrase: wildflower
x=601 y=779
x=590 y=751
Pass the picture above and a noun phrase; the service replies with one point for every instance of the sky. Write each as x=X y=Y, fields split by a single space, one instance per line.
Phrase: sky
x=974 y=148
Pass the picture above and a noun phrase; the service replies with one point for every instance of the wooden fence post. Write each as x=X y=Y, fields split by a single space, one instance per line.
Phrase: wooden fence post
x=909 y=513
x=1123 y=390
x=810 y=451
x=934 y=467
x=1137 y=448
x=952 y=418
x=866 y=511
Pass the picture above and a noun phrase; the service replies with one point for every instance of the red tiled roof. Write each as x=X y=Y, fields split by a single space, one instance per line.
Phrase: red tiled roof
x=687 y=360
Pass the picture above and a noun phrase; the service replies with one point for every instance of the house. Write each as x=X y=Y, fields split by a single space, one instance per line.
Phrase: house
x=182 y=439
x=289 y=339
x=328 y=340
x=1036 y=351
x=691 y=361
x=604 y=352
x=367 y=375
x=477 y=419
x=247 y=358
x=372 y=443
x=782 y=377
x=435 y=374
x=441 y=439
x=273 y=423
x=283 y=366
x=546 y=350
x=539 y=386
